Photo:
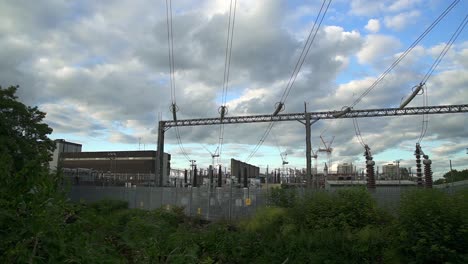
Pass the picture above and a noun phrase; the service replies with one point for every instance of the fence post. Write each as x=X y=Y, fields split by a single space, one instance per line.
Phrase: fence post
x=190 y=200
x=230 y=201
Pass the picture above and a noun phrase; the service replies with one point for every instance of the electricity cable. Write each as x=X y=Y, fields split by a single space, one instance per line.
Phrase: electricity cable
x=448 y=45
x=395 y=63
x=304 y=52
x=170 y=42
x=305 y=49
x=407 y=51
x=227 y=67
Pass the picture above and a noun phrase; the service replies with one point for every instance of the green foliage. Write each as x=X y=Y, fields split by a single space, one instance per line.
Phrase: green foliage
x=266 y=220
x=32 y=211
x=433 y=227
x=283 y=197
x=347 y=209
x=23 y=135
x=109 y=206
x=453 y=176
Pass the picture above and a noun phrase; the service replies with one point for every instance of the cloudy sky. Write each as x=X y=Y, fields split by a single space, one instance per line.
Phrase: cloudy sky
x=100 y=70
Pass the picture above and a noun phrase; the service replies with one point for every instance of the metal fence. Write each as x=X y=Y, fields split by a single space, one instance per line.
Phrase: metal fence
x=224 y=203
x=211 y=204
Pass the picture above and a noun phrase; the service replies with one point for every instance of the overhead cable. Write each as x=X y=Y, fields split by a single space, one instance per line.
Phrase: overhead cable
x=227 y=67
x=170 y=44
x=448 y=45
x=403 y=55
x=305 y=50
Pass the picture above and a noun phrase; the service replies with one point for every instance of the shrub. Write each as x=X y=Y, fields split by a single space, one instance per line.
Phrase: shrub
x=346 y=209
x=433 y=227
x=283 y=197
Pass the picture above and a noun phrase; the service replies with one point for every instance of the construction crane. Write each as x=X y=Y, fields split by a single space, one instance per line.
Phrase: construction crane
x=213 y=155
x=314 y=156
x=328 y=149
x=284 y=158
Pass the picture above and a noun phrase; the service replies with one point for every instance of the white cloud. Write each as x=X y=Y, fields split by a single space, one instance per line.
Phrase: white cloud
x=400 y=5
x=372 y=7
x=366 y=7
x=449 y=148
x=377 y=47
x=400 y=21
x=373 y=25
x=101 y=70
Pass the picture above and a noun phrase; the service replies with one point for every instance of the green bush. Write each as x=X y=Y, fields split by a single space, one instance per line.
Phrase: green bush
x=283 y=197
x=346 y=209
x=108 y=206
x=433 y=227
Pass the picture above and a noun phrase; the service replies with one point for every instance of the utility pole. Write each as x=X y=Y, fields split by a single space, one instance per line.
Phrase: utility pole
x=161 y=131
x=398 y=170
x=308 y=146
x=193 y=166
x=451 y=174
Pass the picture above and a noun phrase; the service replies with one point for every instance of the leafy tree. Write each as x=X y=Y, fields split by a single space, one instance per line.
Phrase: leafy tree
x=30 y=205
x=24 y=142
x=433 y=227
x=453 y=176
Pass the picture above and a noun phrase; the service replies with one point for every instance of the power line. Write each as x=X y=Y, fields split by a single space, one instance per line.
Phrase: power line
x=304 y=52
x=403 y=55
x=260 y=142
x=170 y=44
x=227 y=67
x=453 y=38
x=442 y=54
x=393 y=65
x=227 y=59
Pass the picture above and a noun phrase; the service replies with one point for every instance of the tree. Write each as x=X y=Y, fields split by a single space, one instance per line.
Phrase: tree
x=31 y=206
x=23 y=135
x=453 y=176
x=25 y=148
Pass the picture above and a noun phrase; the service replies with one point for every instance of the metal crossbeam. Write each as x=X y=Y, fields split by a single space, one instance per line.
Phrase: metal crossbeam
x=443 y=109
x=306 y=116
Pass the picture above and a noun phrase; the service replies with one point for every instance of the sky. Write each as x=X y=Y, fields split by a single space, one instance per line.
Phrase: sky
x=100 y=71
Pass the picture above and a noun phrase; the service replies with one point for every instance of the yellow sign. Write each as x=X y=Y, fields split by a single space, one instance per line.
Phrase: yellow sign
x=199 y=211
x=248 y=201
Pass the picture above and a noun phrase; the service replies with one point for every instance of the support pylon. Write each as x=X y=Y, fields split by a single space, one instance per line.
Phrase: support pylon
x=369 y=169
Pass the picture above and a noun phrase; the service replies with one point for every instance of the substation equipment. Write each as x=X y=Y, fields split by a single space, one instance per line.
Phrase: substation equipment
x=308 y=119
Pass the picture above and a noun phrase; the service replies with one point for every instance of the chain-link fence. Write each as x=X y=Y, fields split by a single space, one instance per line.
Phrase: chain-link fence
x=208 y=203
x=226 y=203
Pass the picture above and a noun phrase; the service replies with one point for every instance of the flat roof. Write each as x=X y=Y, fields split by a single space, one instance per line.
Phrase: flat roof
x=379 y=182
x=108 y=154
x=67 y=142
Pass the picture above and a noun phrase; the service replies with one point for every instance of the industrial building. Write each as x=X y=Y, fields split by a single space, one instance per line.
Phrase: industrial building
x=238 y=166
x=136 y=167
x=62 y=146
x=393 y=172
x=345 y=168
x=241 y=169
x=108 y=167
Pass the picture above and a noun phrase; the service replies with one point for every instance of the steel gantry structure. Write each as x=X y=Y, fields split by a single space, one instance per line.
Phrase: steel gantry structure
x=306 y=118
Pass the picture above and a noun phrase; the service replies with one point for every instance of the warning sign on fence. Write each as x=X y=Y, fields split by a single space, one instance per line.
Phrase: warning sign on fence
x=248 y=201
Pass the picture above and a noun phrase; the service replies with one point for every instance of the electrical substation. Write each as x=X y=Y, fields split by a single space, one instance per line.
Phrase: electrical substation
x=234 y=190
